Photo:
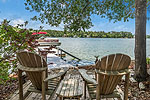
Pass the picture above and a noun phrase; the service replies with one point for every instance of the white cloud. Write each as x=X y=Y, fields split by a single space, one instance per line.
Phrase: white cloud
x=37 y=24
x=3 y=1
x=60 y=27
x=121 y=27
x=16 y=22
x=107 y=26
x=34 y=24
x=0 y=20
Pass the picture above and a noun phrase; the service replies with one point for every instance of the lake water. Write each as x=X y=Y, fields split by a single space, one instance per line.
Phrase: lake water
x=87 y=48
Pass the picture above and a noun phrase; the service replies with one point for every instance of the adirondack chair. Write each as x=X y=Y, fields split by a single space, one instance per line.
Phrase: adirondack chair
x=37 y=71
x=110 y=70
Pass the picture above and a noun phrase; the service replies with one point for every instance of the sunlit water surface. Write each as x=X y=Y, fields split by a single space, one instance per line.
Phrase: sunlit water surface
x=87 y=48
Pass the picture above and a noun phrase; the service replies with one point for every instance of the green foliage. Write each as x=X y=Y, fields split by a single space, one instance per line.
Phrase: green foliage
x=148 y=36
x=12 y=39
x=4 y=68
x=148 y=60
x=76 y=14
x=89 y=34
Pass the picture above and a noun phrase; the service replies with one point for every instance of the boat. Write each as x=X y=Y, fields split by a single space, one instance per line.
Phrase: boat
x=48 y=42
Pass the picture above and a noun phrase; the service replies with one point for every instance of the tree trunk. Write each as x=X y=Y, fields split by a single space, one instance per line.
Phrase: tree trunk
x=140 y=40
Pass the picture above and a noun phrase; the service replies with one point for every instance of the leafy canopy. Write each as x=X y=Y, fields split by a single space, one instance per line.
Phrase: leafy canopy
x=76 y=14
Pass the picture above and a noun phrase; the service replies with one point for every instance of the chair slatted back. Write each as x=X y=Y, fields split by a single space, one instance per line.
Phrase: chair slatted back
x=110 y=63
x=32 y=60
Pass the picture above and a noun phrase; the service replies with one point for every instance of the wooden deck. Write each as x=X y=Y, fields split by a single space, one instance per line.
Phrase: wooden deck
x=55 y=62
x=36 y=96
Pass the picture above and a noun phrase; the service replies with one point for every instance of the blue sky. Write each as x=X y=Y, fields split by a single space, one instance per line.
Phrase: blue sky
x=14 y=10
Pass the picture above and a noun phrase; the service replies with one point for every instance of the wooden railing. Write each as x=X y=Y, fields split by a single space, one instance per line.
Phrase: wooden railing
x=61 y=51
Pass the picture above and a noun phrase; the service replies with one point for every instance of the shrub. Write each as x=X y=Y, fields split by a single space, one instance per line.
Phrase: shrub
x=12 y=39
x=148 y=60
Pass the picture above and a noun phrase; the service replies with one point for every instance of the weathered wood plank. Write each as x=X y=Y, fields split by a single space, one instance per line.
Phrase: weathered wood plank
x=63 y=88
x=71 y=88
x=60 y=87
x=15 y=96
x=67 y=90
x=75 y=87
x=86 y=77
x=32 y=96
x=80 y=88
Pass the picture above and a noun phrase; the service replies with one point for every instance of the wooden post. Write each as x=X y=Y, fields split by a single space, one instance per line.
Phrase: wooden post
x=84 y=90
x=119 y=98
x=60 y=98
x=20 y=84
x=78 y=98
x=96 y=76
x=58 y=52
x=98 y=97
x=95 y=64
x=61 y=54
x=43 y=85
x=126 y=86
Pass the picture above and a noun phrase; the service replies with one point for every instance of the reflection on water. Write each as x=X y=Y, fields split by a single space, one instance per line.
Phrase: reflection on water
x=87 y=48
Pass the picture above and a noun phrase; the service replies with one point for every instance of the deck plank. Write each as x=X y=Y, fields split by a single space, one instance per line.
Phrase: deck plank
x=15 y=95
x=38 y=96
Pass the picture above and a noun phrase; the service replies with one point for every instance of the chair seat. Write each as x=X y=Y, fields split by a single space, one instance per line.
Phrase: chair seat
x=52 y=84
x=92 y=92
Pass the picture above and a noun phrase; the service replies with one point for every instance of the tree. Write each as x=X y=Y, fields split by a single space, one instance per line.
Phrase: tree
x=75 y=14
x=140 y=40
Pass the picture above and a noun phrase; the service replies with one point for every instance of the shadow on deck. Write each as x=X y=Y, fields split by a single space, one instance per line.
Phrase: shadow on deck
x=38 y=96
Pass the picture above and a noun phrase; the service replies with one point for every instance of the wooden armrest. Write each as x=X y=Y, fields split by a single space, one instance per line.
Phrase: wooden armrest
x=62 y=72
x=24 y=68
x=120 y=72
x=86 y=77
x=87 y=67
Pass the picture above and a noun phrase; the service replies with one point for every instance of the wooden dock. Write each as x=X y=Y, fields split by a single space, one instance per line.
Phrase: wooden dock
x=54 y=63
x=37 y=96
